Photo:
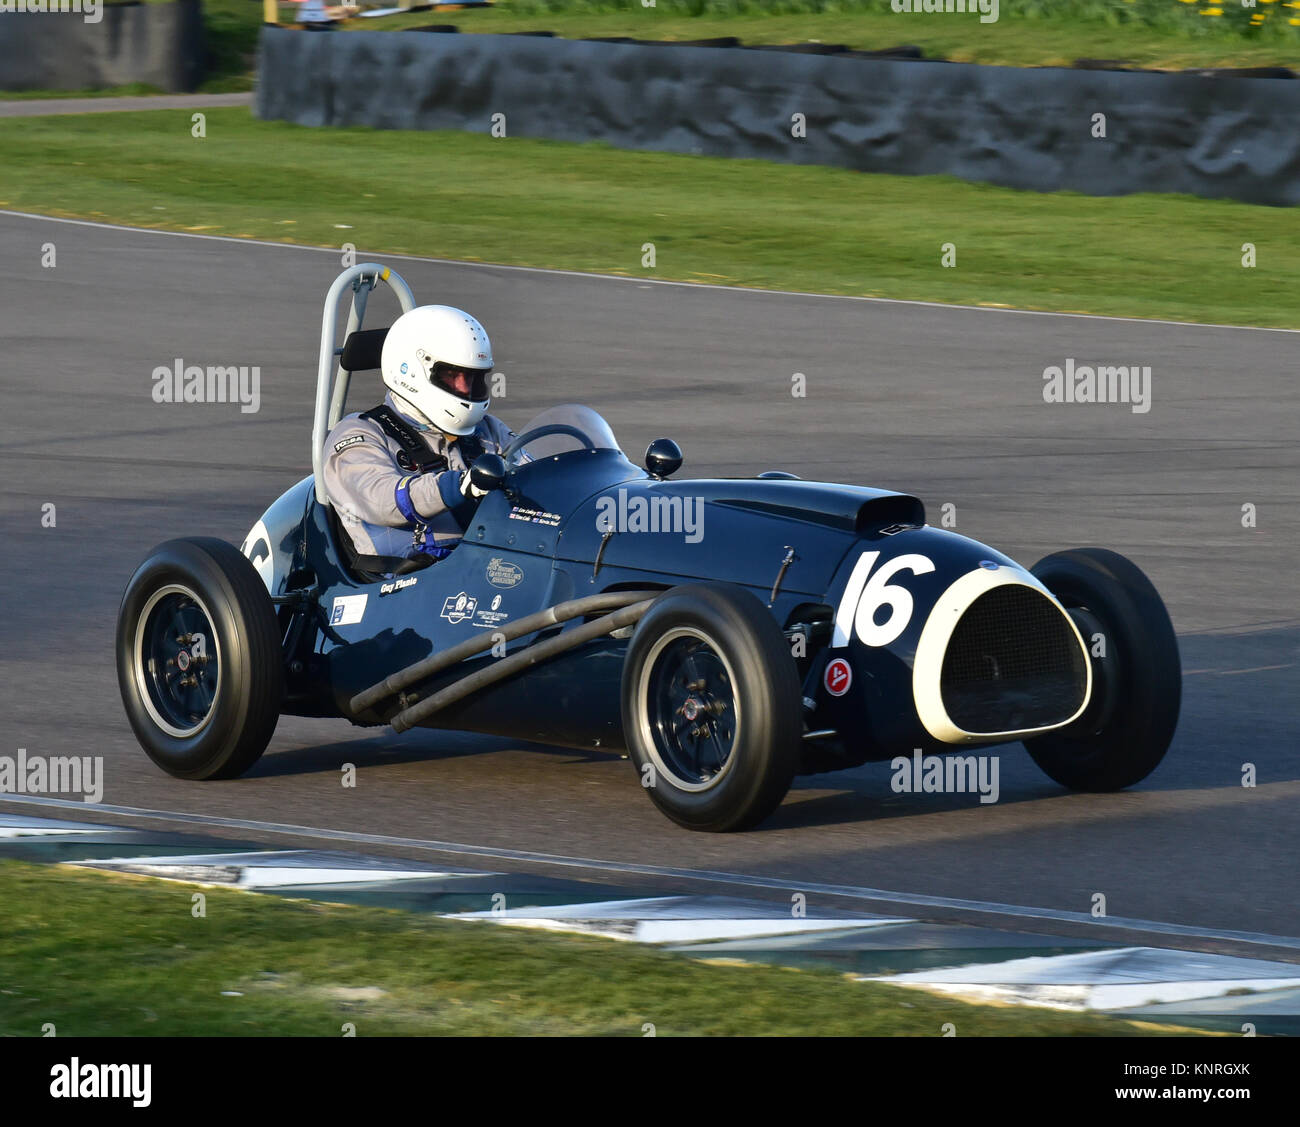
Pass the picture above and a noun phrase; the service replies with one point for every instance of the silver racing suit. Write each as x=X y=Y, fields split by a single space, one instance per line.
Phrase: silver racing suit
x=386 y=505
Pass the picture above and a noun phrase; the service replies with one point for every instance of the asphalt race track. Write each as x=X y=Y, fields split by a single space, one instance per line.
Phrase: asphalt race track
x=943 y=402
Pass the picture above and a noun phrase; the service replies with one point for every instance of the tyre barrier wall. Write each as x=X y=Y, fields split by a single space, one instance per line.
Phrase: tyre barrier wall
x=1022 y=128
x=162 y=45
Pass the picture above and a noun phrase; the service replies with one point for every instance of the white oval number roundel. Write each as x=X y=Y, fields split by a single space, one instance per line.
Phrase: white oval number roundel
x=866 y=594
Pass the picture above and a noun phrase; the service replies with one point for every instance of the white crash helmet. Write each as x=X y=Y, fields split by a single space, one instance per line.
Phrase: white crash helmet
x=426 y=350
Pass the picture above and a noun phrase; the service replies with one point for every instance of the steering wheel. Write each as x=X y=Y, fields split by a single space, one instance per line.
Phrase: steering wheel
x=541 y=432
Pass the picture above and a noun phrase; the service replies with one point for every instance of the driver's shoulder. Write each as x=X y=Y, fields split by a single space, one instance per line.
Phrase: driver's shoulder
x=352 y=430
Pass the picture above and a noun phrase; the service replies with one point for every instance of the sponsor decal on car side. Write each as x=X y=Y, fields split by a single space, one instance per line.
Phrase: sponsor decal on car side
x=348 y=609
x=535 y=516
x=457 y=608
x=838 y=677
x=503 y=574
x=493 y=616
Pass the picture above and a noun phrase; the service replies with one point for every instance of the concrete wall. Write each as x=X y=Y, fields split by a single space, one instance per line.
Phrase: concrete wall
x=159 y=44
x=1024 y=128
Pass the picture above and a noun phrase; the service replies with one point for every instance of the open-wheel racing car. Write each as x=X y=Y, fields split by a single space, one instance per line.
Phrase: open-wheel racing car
x=805 y=626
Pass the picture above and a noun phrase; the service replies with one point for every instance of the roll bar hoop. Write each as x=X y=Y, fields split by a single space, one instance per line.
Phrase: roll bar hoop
x=331 y=380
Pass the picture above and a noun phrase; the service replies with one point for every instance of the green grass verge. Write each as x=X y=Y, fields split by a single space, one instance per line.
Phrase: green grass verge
x=101 y=954
x=131 y=90
x=591 y=207
x=1151 y=33
x=241 y=83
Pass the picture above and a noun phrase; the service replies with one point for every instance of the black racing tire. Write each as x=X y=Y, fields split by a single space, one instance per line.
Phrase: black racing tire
x=1137 y=684
x=712 y=707
x=195 y=611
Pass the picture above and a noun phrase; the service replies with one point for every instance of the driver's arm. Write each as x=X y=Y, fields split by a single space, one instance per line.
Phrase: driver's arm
x=363 y=480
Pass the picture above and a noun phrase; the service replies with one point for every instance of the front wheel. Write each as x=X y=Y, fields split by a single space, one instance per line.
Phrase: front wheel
x=712 y=707
x=199 y=663
x=1137 y=675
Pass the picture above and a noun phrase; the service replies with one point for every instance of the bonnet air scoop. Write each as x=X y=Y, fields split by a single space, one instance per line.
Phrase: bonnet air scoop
x=851 y=508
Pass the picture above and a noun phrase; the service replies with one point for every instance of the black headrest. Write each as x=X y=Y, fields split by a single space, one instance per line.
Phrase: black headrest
x=362 y=350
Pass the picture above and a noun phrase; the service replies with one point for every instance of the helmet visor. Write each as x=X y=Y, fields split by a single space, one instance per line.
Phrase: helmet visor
x=464 y=383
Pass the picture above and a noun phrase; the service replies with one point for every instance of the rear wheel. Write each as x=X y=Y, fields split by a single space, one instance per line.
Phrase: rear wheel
x=198 y=659
x=711 y=707
x=1137 y=675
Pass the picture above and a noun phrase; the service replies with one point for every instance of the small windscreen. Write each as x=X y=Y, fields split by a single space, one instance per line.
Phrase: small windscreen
x=582 y=419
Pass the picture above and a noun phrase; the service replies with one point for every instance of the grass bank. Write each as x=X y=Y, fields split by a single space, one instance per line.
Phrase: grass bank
x=1150 y=33
x=591 y=207
x=102 y=954
x=1164 y=34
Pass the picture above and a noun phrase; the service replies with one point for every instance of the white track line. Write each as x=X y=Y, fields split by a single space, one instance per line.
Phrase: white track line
x=849 y=892
x=381 y=256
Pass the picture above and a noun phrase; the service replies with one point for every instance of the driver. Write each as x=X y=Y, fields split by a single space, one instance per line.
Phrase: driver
x=398 y=474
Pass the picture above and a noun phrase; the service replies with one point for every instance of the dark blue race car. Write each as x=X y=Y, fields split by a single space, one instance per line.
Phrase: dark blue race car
x=728 y=634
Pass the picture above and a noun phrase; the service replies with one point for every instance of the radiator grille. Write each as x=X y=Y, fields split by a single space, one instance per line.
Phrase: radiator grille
x=1013 y=663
